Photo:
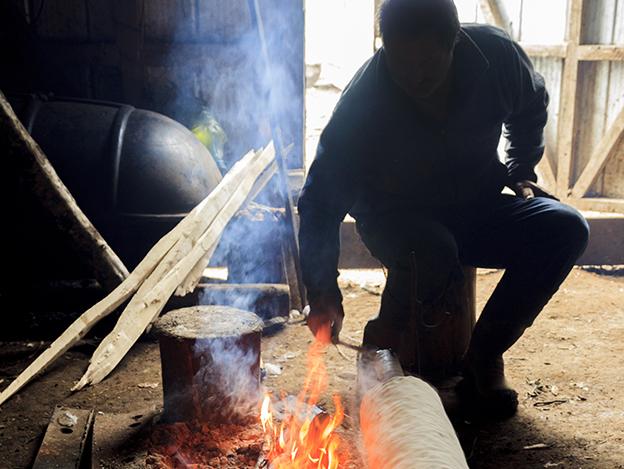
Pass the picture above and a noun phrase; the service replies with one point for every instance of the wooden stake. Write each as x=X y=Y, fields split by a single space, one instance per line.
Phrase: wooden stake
x=157 y=289
x=81 y=326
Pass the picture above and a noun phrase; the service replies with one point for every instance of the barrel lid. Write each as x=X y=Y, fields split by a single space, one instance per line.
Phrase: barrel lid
x=207 y=322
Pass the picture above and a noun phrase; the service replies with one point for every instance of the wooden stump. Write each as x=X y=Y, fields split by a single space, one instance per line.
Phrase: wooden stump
x=432 y=343
x=210 y=363
x=439 y=334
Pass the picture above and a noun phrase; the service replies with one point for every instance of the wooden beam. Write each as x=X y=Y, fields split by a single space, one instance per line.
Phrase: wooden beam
x=495 y=14
x=567 y=111
x=540 y=50
x=546 y=172
x=596 y=52
x=603 y=152
x=35 y=170
x=597 y=204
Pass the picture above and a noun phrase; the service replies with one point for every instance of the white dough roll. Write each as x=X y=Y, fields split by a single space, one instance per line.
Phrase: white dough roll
x=404 y=426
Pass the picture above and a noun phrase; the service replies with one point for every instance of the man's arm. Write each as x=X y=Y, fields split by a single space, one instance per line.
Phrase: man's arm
x=330 y=191
x=524 y=127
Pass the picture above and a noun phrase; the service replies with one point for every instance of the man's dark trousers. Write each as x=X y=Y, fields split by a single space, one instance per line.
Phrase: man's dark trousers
x=536 y=241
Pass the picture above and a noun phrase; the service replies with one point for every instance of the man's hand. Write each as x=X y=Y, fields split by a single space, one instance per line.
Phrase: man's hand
x=528 y=190
x=325 y=320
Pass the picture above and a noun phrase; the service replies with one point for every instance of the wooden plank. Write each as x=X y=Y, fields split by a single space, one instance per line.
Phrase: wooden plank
x=546 y=172
x=568 y=98
x=614 y=170
x=33 y=167
x=540 y=50
x=495 y=14
x=65 y=439
x=601 y=52
x=597 y=204
x=605 y=150
x=207 y=223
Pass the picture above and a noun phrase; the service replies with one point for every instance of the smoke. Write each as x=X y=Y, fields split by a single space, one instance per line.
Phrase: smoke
x=231 y=373
x=229 y=79
x=216 y=65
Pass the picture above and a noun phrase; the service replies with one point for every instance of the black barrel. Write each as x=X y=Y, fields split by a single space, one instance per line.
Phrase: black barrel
x=135 y=173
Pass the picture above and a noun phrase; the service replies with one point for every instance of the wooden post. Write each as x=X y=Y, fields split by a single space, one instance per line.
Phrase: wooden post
x=35 y=170
x=495 y=14
x=291 y=245
x=210 y=363
x=567 y=113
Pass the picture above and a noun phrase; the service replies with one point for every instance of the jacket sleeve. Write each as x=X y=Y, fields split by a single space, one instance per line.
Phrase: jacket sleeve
x=331 y=189
x=524 y=126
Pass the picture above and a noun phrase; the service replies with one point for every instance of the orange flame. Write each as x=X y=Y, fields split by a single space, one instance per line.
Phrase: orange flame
x=302 y=440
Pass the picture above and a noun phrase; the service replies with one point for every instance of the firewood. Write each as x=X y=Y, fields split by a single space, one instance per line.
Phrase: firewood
x=81 y=326
x=27 y=157
x=157 y=289
x=194 y=277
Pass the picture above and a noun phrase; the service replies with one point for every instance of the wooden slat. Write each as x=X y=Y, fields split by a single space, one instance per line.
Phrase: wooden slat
x=568 y=97
x=605 y=150
x=600 y=52
x=495 y=14
x=540 y=50
x=597 y=204
x=547 y=173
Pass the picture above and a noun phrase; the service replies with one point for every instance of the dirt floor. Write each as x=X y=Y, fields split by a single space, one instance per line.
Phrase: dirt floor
x=567 y=368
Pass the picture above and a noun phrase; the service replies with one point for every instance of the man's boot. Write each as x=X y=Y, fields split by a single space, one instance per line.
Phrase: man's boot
x=484 y=387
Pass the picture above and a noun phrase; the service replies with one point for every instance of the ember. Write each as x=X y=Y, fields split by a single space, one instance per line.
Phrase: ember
x=303 y=440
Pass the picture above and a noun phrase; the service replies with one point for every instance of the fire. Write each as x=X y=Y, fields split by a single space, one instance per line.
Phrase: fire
x=302 y=440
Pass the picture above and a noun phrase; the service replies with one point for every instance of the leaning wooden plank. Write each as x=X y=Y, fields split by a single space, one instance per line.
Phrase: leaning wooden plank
x=81 y=326
x=607 y=147
x=145 y=308
x=38 y=174
x=201 y=217
x=194 y=277
x=495 y=14
x=65 y=439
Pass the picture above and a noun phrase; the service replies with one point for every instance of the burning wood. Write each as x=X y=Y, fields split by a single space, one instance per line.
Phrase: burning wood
x=303 y=439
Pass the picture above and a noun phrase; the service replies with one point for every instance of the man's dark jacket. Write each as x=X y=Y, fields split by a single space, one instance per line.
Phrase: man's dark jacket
x=379 y=154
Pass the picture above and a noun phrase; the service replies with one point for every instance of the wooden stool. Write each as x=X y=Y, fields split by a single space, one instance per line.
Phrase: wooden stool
x=433 y=341
x=438 y=335
x=210 y=359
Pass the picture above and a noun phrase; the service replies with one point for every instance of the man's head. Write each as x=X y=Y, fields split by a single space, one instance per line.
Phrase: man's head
x=419 y=38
